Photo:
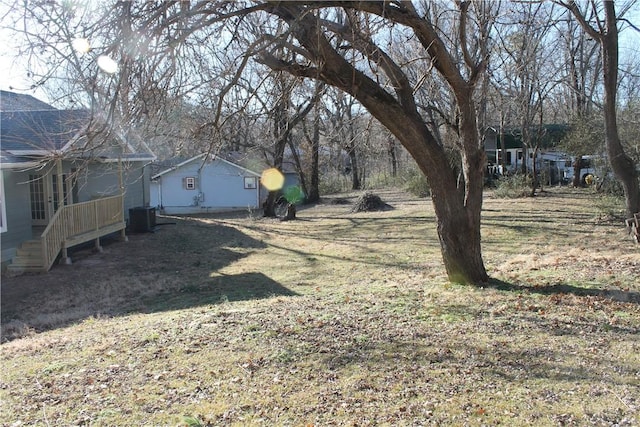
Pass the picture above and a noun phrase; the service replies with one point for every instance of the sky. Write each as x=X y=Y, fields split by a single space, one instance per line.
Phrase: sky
x=13 y=74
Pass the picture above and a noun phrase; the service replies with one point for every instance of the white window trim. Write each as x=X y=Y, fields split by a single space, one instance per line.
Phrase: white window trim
x=190 y=183
x=250 y=183
x=3 y=212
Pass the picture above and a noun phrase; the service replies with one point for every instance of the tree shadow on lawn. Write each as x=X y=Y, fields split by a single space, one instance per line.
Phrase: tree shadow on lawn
x=491 y=357
x=465 y=362
x=510 y=364
x=221 y=289
x=617 y=295
x=174 y=268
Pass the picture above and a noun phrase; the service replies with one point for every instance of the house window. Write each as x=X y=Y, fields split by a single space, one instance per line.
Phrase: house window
x=3 y=213
x=190 y=183
x=250 y=182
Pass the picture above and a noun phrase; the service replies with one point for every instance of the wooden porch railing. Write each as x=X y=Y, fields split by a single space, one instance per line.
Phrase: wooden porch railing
x=79 y=223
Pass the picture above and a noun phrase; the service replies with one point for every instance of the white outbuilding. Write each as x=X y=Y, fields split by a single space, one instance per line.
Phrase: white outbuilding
x=203 y=184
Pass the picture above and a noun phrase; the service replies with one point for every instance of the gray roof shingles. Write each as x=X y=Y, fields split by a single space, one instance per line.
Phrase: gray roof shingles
x=28 y=124
x=11 y=101
x=47 y=130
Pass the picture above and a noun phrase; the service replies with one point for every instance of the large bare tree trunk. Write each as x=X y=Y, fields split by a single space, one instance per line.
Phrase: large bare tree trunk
x=314 y=188
x=457 y=208
x=281 y=131
x=577 y=167
x=355 y=168
x=393 y=158
x=623 y=167
x=465 y=263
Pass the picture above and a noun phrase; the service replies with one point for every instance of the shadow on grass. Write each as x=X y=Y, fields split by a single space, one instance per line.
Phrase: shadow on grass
x=177 y=267
x=564 y=288
x=459 y=356
x=221 y=289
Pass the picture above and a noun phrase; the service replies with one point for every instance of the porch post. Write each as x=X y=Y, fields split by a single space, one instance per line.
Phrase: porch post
x=123 y=234
x=65 y=255
x=97 y=218
x=60 y=183
x=65 y=259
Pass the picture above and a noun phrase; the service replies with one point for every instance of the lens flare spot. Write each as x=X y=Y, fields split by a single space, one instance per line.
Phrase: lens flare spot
x=81 y=45
x=107 y=64
x=294 y=194
x=272 y=179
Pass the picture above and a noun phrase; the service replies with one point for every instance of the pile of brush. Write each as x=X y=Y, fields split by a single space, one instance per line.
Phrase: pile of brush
x=369 y=202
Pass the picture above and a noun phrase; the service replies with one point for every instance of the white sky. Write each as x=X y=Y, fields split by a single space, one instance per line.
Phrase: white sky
x=13 y=73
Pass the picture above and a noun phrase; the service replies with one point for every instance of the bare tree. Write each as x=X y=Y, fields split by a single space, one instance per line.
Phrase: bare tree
x=343 y=130
x=309 y=170
x=343 y=44
x=583 y=60
x=522 y=78
x=387 y=92
x=312 y=188
x=285 y=116
x=629 y=117
x=604 y=28
x=581 y=71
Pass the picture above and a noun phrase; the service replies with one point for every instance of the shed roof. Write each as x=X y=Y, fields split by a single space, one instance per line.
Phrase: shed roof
x=201 y=157
x=550 y=135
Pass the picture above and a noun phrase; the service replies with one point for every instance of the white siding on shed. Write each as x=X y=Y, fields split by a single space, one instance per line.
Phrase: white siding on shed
x=219 y=186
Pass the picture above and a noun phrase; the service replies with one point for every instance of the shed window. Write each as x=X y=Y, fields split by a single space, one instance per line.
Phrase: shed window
x=250 y=182
x=190 y=183
x=3 y=213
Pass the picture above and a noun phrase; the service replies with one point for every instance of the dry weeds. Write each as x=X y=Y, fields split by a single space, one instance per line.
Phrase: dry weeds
x=334 y=319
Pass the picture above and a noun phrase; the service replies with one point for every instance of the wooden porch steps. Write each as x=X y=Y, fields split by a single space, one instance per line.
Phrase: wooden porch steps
x=71 y=225
x=28 y=258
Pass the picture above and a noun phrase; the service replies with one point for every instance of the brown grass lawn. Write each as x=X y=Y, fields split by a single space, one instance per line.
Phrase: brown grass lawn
x=334 y=319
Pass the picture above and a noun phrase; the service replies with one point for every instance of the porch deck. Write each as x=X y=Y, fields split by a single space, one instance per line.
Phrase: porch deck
x=71 y=225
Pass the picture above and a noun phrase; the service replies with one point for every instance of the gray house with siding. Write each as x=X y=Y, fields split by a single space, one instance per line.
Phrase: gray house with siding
x=205 y=183
x=66 y=179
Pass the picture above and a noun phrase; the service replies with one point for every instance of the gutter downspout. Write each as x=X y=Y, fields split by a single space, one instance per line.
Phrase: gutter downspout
x=145 y=201
x=200 y=195
x=258 y=190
